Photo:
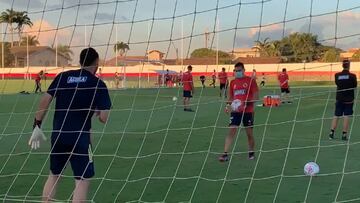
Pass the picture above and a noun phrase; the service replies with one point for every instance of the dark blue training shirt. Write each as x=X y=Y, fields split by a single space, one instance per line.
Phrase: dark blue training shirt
x=78 y=94
x=346 y=83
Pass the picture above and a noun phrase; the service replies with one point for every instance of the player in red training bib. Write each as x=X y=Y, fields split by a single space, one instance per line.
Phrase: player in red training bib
x=283 y=79
x=223 y=82
x=188 y=87
x=38 y=78
x=243 y=92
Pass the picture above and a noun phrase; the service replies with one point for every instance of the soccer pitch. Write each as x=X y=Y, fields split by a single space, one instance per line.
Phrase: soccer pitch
x=153 y=151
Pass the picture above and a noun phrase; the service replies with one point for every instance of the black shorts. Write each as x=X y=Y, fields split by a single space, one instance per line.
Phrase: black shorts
x=236 y=118
x=80 y=158
x=343 y=109
x=285 y=90
x=222 y=86
x=187 y=94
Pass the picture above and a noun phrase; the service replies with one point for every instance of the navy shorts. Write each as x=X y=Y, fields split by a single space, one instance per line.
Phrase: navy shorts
x=285 y=90
x=343 y=109
x=187 y=94
x=79 y=157
x=236 y=118
x=222 y=86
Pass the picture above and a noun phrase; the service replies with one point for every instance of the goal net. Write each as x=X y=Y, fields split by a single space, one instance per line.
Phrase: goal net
x=151 y=150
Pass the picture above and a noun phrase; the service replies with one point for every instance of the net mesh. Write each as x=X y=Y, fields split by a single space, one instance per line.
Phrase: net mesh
x=150 y=150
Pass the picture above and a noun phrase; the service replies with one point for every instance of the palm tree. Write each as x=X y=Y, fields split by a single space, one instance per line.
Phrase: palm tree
x=263 y=46
x=121 y=47
x=22 y=20
x=9 y=17
x=31 y=40
x=65 y=51
x=268 y=48
x=274 y=48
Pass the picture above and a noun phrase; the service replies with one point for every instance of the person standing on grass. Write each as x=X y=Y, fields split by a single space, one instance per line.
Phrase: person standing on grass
x=179 y=78
x=213 y=77
x=38 y=78
x=202 y=80
x=283 y=79
x=118 y=79
x=253 y=74
x=188 y=87
x=79 y=95
x=245 y=90
x=167 y=78
x=223 y=78
x=346 y=83
x=263 y=80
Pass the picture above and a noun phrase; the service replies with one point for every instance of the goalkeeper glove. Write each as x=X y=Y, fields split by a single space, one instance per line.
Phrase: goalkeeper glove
x=227 y=108
x=37 y=135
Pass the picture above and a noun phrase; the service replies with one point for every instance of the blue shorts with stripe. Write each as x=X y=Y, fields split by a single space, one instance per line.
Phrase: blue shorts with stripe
x=79 y=156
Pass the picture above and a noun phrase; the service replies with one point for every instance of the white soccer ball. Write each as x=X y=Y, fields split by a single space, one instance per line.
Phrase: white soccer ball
x=311 y=169
x=174 y=98
x=235 y=105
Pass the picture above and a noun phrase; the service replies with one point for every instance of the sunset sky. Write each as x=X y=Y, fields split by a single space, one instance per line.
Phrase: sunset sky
x=68 y=20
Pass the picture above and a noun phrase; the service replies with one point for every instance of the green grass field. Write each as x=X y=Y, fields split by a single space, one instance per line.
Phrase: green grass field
x=153 y=151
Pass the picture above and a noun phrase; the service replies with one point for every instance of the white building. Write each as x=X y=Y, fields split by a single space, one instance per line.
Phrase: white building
x=38 y=56
x=245 y=52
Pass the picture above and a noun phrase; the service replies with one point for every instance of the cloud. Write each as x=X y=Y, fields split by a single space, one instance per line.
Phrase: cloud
x=104 y=16
x=46 y=33
x=34 y=4
x=69 y=3
x=247 y=38
x=23 y=4
x=350 y=15
x=267 y=29
x=315 y=28
x=107 y=17
x=124 y=18
x=273 y=32
x=322 y=26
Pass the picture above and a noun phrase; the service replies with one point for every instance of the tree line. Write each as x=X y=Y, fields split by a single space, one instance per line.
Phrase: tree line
x=298 y=48
x=16 y=21
x=295 y=48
